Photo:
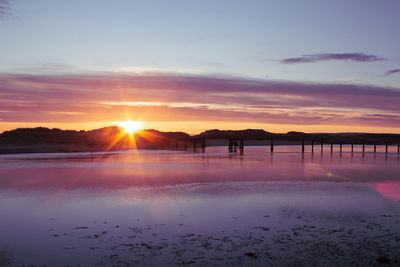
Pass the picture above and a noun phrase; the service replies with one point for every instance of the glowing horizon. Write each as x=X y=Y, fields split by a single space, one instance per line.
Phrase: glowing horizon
x=194 y=128
x=171 y=102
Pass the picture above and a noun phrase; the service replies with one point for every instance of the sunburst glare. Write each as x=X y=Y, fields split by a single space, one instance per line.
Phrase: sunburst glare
x=130 y=126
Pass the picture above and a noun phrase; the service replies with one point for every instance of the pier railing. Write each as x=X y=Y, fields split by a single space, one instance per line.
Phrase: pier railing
x=235 y=145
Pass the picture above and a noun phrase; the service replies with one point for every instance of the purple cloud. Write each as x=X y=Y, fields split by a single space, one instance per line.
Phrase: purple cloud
x=359 y=57
x=171 y=97
x=5 y=7
x=389 y=72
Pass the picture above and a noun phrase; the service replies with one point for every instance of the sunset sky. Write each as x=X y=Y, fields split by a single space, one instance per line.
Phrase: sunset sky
x=313 y=66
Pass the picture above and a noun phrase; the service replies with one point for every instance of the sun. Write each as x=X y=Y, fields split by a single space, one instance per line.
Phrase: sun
x=130 y=126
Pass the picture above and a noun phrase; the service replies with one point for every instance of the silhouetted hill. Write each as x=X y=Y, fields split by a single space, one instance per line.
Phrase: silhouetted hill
x=42 y=139
x=25 y=136
x=256 y=134
x=292 y=136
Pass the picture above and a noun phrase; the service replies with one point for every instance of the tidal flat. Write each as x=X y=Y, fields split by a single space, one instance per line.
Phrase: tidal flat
x=172 y=208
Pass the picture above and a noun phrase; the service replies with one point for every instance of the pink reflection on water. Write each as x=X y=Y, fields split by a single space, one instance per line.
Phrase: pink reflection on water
x=388 y=189
x=170 y=193
x=109 y=171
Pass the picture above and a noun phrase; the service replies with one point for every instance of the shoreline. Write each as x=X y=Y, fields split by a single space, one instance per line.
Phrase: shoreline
x=62 y=148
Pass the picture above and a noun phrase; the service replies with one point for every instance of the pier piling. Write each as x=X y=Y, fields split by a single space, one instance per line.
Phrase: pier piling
x=203 y=145
x=235 y=144
x=363 y=150
x=272 y=145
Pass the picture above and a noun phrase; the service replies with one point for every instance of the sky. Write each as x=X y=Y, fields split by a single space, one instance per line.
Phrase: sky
x=186 y=65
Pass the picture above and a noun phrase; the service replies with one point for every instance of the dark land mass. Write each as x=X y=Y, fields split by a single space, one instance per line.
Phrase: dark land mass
x=296 y=137
x=41 y=140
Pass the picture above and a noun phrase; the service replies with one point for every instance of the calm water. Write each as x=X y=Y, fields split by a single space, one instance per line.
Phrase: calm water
x=95 y=208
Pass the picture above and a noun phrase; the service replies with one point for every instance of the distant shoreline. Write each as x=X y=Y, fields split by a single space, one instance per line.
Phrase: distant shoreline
x=44 y=140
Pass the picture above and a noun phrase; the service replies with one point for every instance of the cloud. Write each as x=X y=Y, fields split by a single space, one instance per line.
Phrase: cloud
x=359 y=57
x=5 y=7
x=389 y=72
x=182 y=97
x=143 y=70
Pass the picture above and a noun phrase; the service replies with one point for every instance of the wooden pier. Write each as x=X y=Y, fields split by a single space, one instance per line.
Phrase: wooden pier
x=235 y=145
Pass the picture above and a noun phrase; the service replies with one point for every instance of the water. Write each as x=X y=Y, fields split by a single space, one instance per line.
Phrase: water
x=178 y=207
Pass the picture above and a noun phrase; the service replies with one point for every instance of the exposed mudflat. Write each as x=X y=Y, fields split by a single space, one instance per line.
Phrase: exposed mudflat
x=171 y=209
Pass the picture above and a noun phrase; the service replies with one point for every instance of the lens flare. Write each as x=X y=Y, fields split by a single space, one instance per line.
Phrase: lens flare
x=130 y=126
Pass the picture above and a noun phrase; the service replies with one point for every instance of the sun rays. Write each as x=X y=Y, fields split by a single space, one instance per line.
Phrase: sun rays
x=130 y=126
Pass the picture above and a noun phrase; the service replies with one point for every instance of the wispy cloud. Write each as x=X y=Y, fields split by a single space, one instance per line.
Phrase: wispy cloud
x=359 y=57
x=195 y=98
x=149 y=69
x=5 y=7
x=389 y=72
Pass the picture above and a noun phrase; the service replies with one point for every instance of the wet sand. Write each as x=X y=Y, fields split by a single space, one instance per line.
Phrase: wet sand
x=339 y=220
